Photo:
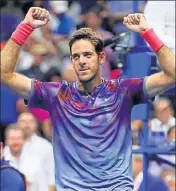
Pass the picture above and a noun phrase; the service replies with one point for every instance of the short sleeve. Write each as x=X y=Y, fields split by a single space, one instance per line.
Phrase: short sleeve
x=42 y=93
x=136 y=87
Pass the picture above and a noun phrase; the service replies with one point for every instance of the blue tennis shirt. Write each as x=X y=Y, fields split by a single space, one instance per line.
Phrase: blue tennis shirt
x=92 y=139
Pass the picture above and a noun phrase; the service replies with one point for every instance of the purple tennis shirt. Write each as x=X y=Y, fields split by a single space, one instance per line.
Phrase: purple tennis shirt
x=92 y=139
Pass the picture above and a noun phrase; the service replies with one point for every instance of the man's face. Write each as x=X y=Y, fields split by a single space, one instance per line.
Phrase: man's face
x=15 y=140
x=85 y=60
x=28 y=123
x=92 y=20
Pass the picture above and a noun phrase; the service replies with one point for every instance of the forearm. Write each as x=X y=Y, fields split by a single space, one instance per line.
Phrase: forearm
x=10 y=53
x=167 y=61
x=9 y=57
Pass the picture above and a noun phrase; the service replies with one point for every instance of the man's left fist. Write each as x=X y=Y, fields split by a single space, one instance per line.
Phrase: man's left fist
x=136 y=22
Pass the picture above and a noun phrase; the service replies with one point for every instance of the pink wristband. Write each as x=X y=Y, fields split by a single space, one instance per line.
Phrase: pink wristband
x=21 y=33
x=152 y=39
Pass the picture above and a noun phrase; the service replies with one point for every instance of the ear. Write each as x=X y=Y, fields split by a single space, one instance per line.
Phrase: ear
x=102 y=57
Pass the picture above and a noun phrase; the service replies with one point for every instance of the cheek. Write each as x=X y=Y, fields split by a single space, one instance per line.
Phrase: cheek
x=94 y=65
x=75 y=67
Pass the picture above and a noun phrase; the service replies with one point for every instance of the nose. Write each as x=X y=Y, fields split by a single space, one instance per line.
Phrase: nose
x=82 y=61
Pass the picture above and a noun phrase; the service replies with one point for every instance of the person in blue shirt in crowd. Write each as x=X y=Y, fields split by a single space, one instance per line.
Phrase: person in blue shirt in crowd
x=11 y=179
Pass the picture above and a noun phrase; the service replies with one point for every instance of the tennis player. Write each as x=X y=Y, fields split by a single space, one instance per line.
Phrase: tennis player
x=91 y=117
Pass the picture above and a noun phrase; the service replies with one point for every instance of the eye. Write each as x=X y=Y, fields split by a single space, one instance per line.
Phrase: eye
x=88 y=54
x=75 y=56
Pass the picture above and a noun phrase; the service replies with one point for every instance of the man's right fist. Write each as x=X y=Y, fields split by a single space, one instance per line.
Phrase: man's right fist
x=36 y=17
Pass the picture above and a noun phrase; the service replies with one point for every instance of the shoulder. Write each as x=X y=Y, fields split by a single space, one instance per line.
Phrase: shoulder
x=50 y=85
x=130 y=82
x=43 y=141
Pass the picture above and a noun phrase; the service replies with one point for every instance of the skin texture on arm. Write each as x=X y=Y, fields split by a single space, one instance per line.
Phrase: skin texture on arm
x=16 y=82
x=159 y=82
x=36 y=17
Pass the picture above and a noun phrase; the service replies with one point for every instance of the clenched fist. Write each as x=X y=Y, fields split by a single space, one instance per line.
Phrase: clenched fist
x=36 y=17
x=136 y=22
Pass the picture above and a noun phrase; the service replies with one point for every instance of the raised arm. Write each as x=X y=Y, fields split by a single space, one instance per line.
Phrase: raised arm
x=36 y=17
x=159 y=82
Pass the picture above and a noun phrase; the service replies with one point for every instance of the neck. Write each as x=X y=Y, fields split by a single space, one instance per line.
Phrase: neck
x=89 y=86
x=16 y=154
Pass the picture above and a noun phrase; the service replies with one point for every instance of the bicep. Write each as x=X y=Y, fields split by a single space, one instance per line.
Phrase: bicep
x=158 y=83
x=20 y=84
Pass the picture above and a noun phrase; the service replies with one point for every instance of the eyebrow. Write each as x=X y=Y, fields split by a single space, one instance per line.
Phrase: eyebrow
x=77 y=54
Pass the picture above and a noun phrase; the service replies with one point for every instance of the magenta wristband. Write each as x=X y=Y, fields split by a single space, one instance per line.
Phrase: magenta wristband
x=152 y=39
x=21 y=33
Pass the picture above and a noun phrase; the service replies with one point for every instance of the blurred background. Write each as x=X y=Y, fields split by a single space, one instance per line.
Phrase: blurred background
x=45 y=56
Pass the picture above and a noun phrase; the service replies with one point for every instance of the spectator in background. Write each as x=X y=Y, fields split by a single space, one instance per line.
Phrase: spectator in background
x=9 y=19
x=37 y=147
x=119 y=9
x=154 y=182
x=164 y=118
x=61 y=23
x=86 y=6
x=26 y=163
x=164 y=21
x=169 y=177
x=15 y=181
x=164 y=162
x=39 y=65
x=93 y=20
x=42 y=35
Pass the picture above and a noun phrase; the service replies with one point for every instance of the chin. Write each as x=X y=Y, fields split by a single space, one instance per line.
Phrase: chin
x=85 y=78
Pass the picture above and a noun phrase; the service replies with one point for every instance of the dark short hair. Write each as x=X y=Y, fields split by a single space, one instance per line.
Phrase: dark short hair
x=88 y=34
x=13 y=126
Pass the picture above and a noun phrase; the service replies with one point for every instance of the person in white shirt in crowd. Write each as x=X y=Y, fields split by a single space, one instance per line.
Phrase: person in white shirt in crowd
x=26 y=163
x=164 y=116
x=166 y=161
x=161 y=17
x=154 y=182
x=37 y=146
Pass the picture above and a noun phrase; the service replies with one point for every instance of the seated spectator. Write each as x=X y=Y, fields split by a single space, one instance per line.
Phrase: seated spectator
x=164 y=119
x=27 y=164
x=164 y=161
x=38 y=66
x=154 y=182
x=11 y=179
x=169 y=177
x=119 y=9
x=61 y=23
x=93 y=20
x=37 y=147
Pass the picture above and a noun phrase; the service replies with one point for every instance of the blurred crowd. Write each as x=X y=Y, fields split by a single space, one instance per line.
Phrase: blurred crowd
x=27 y=133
